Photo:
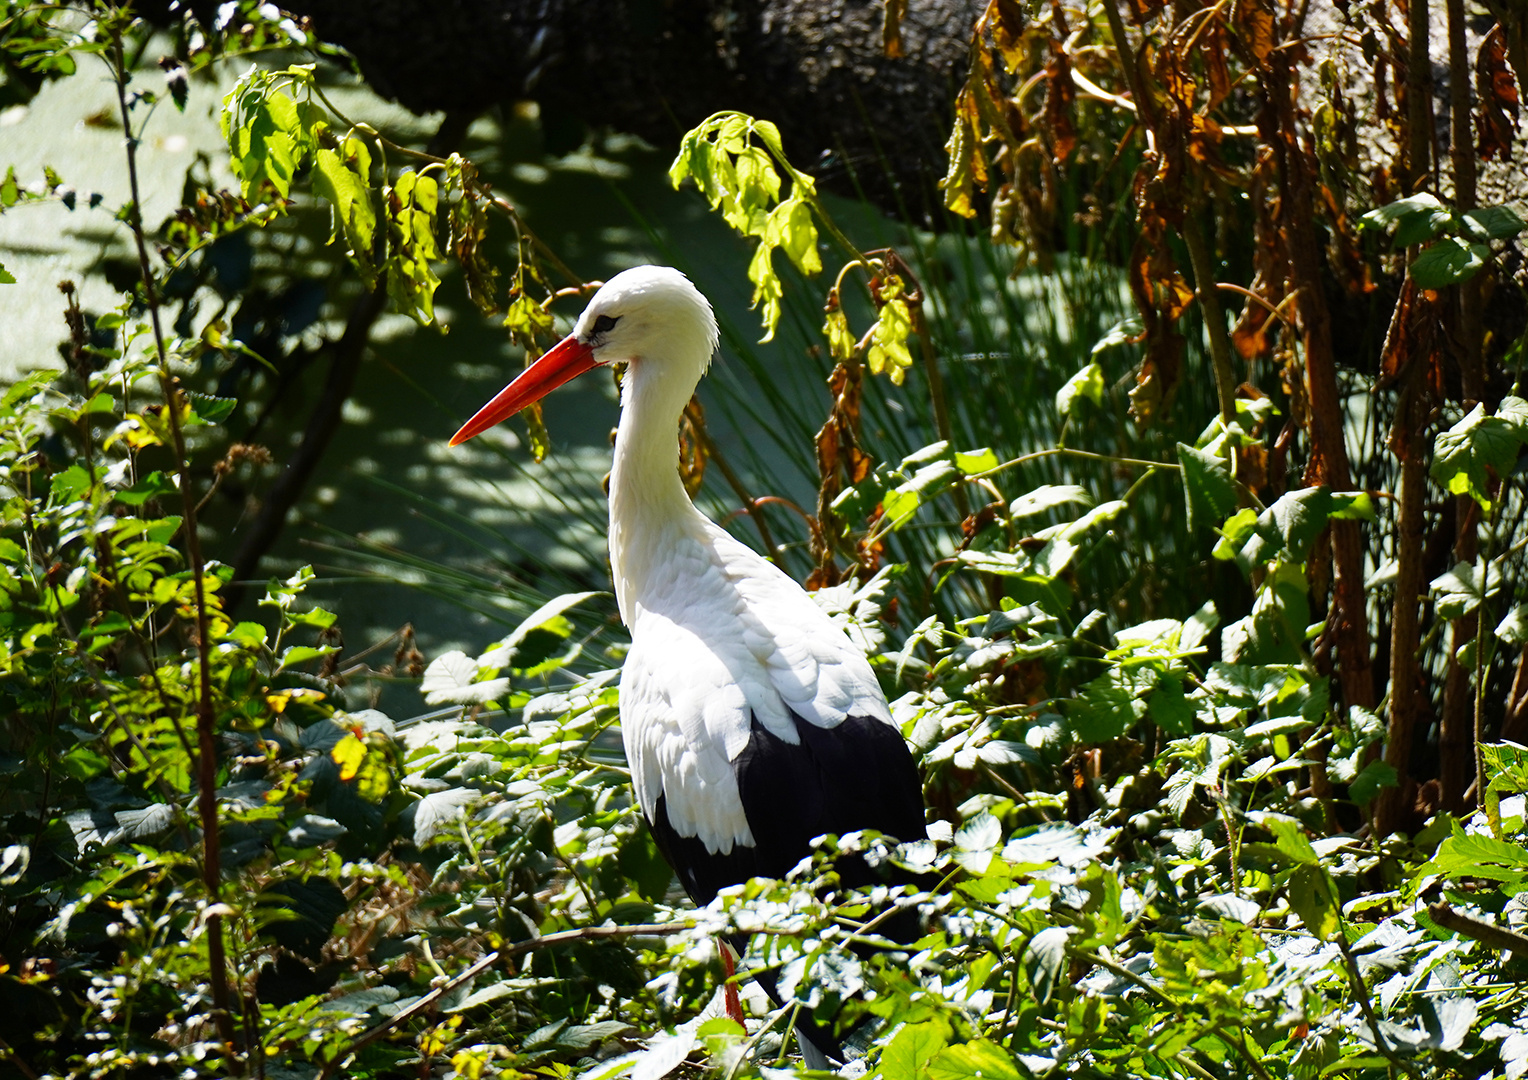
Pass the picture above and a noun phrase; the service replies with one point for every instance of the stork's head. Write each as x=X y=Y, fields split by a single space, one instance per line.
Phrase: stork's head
x=648 y=316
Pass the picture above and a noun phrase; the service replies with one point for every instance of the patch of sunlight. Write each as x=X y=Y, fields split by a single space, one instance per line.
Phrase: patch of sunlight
x=353 y=412
x=587 y=161
x=529 y=173
x=392 y=326
x=466 y=371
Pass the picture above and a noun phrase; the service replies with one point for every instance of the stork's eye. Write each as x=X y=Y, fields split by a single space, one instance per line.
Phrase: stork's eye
x=604 y=324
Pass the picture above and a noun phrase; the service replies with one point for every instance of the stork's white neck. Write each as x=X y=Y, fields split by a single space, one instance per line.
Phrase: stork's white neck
x=651 y=517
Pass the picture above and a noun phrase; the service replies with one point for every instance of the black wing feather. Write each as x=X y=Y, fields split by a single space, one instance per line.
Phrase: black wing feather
x=858 y=774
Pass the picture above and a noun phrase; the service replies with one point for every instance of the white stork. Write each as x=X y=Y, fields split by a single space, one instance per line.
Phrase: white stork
x=751 y=723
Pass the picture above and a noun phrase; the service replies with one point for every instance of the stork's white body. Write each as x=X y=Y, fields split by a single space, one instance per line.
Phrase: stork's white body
x=720 y=637
x=751 y=723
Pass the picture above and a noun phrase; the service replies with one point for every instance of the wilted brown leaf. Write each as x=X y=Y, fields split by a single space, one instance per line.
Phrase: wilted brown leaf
x=1141 y=10
x=1213 y=53
x=1250 y=334
x=1498 y=113
x=1060 y=97
x=692 y=446
x=1254 y=25
x=1413 y=355
x=1007 y=21
x=1252 y=465
x=840 y=463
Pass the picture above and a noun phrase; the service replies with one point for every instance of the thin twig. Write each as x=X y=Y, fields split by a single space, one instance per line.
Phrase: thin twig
x=735 y=482
x=1121 y=971
x=1361 y=991
x=8 y=1054
x=1498 y=937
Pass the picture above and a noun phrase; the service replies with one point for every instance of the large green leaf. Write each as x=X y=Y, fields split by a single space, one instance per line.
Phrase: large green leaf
x=1208 y=485
x=1463 y=453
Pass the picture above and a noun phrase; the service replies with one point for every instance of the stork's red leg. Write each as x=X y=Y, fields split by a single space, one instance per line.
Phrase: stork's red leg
x=734 y=1002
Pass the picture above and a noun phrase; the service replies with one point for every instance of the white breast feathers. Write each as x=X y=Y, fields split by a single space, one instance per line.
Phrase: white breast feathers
x=721 y=638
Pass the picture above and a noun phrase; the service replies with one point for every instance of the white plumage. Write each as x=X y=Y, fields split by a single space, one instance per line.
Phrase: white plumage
x=751 y=723
x=729 y=657
x=720 y=637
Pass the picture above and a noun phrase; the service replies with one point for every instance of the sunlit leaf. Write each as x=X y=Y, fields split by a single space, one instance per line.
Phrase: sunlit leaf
x=1087 y=383
x=1447 y=262
x=1313 y=897
x=1463 y=453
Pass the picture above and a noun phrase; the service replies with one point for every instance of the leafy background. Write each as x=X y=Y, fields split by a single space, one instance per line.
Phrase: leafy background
x=1208 y=634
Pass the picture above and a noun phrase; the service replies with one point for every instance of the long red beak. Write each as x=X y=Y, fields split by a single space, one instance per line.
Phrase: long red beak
x=568 y=359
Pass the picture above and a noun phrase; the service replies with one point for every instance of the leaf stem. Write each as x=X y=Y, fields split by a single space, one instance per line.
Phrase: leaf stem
x=1068 y=451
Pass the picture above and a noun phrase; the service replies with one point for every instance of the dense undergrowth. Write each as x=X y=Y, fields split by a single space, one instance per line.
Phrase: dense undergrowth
x=1153 y=792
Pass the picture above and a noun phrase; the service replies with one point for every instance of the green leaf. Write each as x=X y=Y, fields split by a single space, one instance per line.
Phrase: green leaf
x=907 y=1056
x=1170 y=708
x=70 y=484
x=206 y=409
x=343 y=178
x=1507 y=765
x=1471 y=855
x=411 y=279
x=28 y=386
x=791 y=227
x=268 y=133
x=972 y=462
x=1044 y=959
x=1123 y=332
x=1313 y=897
x=1352 y=506
x=1367 y=784
x=767 y=290
x=1208 y=485
x=547 y=617
x=977 y=1060
x=1514 y=413
x=888 y=342
x=928 y=482
x=249 y=635
x=1420 y=218
x=1463 y=453
x=1289 y=838
x=151 y=486
x=756 y=184
x=1298 y=518
x=1046 y=497
x=1462 y=589
x=1513 y=629
x=982 y=833
x=1087 y=383
x=1447 y=262
x=1493 y=223
x=6 y=278
x=301 y=654
x=1108 y=706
